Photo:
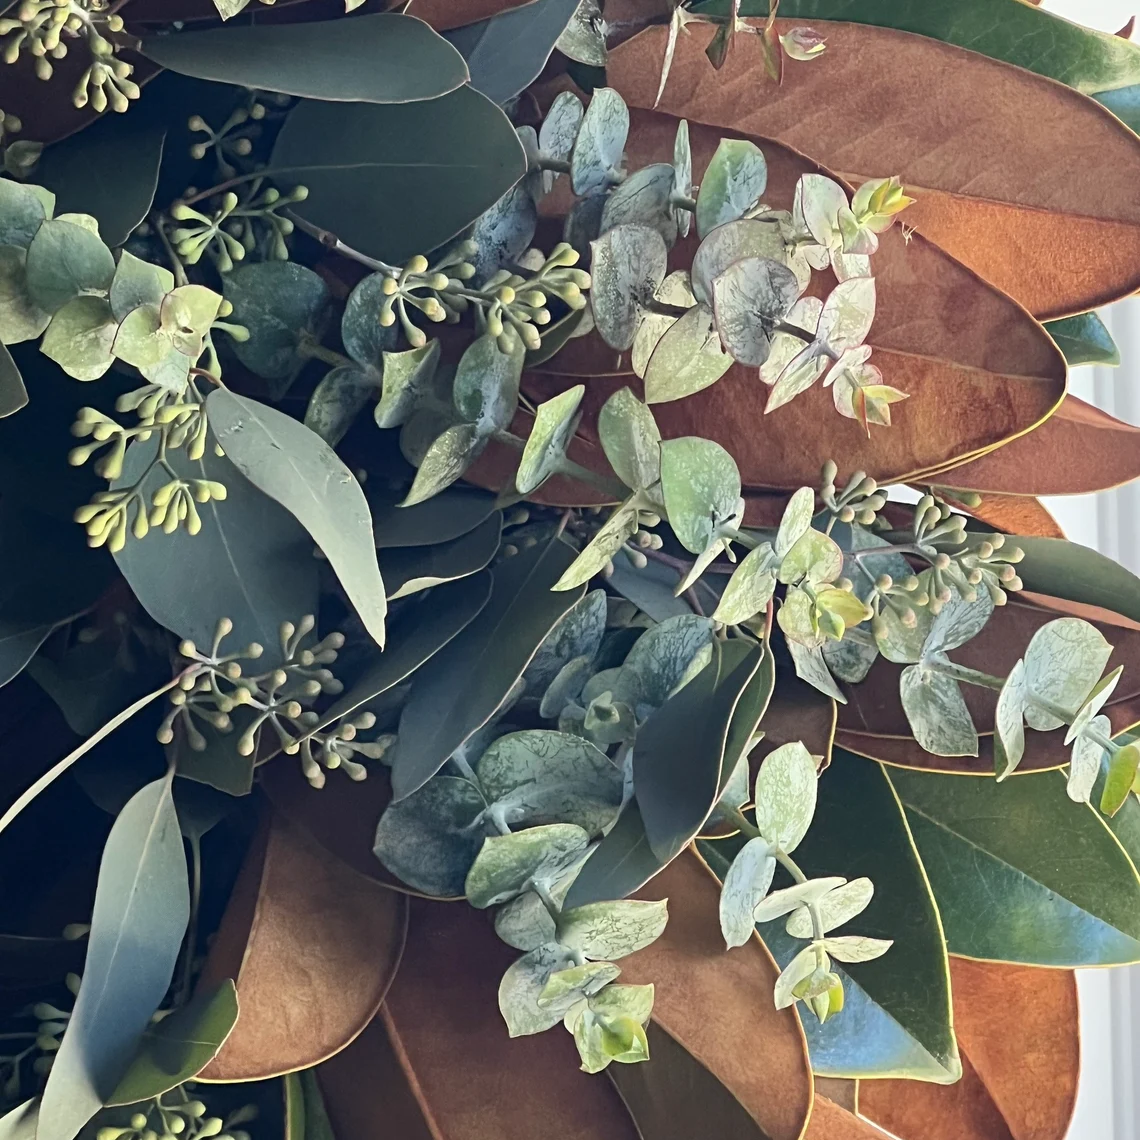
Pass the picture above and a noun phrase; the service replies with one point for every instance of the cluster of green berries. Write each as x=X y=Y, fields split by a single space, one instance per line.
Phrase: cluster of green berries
x=185 y=1119
x=860 y=500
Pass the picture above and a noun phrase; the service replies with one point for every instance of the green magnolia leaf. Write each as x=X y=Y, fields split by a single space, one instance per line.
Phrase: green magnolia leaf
x=937 y=712
x=507 y=864
x=338 y=399
x=20 y=317
x=600 y=145
x=554 y=425
x=397 y=180
x=525 y=923
x=284 y=305
x=473 y=675
x=65 y=261
x=627 y=266
x=749 y=298
x=448 y=457
x=621 y=864
x=1023 y=845
x=421 y=567
x=80 y=337
x=13 y=394
x=449 y=515
x=487 y=384
x=734 y=181
x=746 y=882
x=109 y=170
x=644 y=199
x=143 y=888
x=701 y=485
x=835 y=908
x=652 y=589
x=1078 y=574
x=1084 y=340
x=687 y=359
x=680 y=750
x=429 y=839
x=22 y=211
x=294 y=466
x=251 y=562
x=137 y=282
x=365 y=339
x=897 y=1020
x=1009 y=721
x=522 y=984
x=609 y=930
x=180 y=1046
x=507 y=52
x=630 y=439
x=579 y=633
x=1063 y=662
x=378 y=58
x=785 y=795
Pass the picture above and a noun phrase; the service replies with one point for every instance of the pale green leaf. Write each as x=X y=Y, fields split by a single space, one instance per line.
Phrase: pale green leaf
x=701 y=485
x=605 y=931
x=630 y=439
x=65 y=261
x=687 y=359
x=785 y=795
x=507 y=864
x=745 y=885
x=20 y=317
x=550 y=435
x=523 y=982
x=853 y=948
x=1063 y=662
x=835 y=908
x=937 y=713
x=627 y=266
x=734 y=181
x=80 y=338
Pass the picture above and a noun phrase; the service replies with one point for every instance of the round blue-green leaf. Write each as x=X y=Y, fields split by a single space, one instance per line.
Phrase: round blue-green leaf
x=734 y=181
x=600 y=144
x=627 y=265
x=365 y=339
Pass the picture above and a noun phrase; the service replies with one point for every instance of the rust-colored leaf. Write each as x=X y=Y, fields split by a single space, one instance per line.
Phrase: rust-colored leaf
x=978 y=369
x=1079 y=449
x=470 y=1081
x=796 y=712
x=1026 y=181
x=1018 y=1035
x=830 y=1121
x=313 y=946
x=873 y=723
x=1013 y=514
x=718 y=1005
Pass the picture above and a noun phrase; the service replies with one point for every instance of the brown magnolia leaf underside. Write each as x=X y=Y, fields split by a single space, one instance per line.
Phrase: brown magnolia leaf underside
x=979 y=370
x=1012 y=514
x=1028 y=182
x=470 y=1079
x=1079 y=449
x=830 y=1121
x=796 y=712
x=313 y=946
x=1017 y=1031
x=719 y=1006
x=873 y=723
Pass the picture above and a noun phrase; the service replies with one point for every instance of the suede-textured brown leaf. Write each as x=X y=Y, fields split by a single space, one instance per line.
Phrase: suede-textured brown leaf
x=718 y=1004
x=1013 y=514
x=471 y=1080
x=830 y=1121
x=313 y=947
x=979 y=370
x=1027 y=181
x=796 y=712
x=839 y=1091
x=1018 y=1035
x=1079 y=449
x=873 y=723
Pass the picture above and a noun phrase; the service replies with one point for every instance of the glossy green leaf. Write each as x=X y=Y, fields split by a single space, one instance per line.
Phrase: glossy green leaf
x=1120 y=779
x=550 y=435
x=1084 y=340
x=449 y=515
x=679 y=751
x=13 y=394
x=734 y=181
x=687 y=359
x=471 y=677
x=1077 y=573
x=64 y=261
x=180 y=1046
x=1024 y=845
x=420 y=567
x=283 y=305
x=251 y=562
x=627 y=265
x=143 y=891
x=897 y=1019
x=294 y=466
x=378 y=58
x=652 y=589
x=397 y=180
x=507 y=52
x=701 y=485
x=630 y=439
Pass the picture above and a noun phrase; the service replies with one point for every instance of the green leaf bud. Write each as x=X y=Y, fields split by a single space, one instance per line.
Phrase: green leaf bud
x=138 y=1121
x=417 y=264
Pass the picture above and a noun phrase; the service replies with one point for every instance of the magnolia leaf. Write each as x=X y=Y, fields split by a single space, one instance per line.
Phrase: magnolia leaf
x=428 y=839
x=474 y=673
x=746 y=237
x=701 y=485
x=20 y=317
x=745 y=885
x=734 y=181
x=22 y=211
x=1084 y=340
x=143 y=887
x=377 y=58
x=422 y=567
x=1069 y=570
x=608 y=930
x=1009 y=721
x=66 y=261
x=524 y=982
x=525 y=923
x=426 y=170
x=293 y=465
x=1084 y=767
x=937 y=713
x=630 y=439
x=750 y=588
x=80 y=337
x=283 y=305
x=627 y=266
x=838 y=906
x=447 y=516
x=554 y=424
x=687 y=359
x=785 y=795
x=338 y=399
x=1062 y=664
x=1004 y=839
x=644 y=199
x=598 y=149
x=538 y=776
x=854 y=948
x=750 y=297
